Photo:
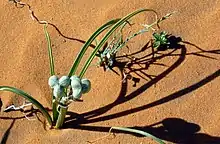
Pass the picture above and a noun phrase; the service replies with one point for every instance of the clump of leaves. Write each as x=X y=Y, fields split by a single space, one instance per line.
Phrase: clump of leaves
x=160 y=39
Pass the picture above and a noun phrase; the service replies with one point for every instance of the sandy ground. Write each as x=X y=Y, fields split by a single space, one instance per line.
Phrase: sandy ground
x=177 y=101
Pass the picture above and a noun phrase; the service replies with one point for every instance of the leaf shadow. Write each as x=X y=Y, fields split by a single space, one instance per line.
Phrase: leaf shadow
x=174 y=130
x=85 y=117
x=7 y=132
x=95 y=115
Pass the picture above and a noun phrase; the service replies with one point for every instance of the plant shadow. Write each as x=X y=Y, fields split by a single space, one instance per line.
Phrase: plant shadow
x=174 y=130
x=95 y=115
x=77 y=120
x=7 y=132
x=85 y=117
x=180 y=131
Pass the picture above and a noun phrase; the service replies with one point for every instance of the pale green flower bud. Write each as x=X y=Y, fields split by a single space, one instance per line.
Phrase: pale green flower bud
x=86 y=85
x=64 y=81
x=53 y=80
x=74 y=78
x=77 y=94
x=76 y=87
x=57 y=91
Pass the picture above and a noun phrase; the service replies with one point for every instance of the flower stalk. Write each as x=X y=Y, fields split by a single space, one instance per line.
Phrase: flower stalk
x=54 y=108
x=61 y=117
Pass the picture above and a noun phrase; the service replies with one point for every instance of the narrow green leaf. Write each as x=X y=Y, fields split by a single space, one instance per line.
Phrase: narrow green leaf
x=87 y=44
x=138 y=132
x=108 y=34
x=50 y=54
x=52 y=71
x=29 y=98
x=156 y=36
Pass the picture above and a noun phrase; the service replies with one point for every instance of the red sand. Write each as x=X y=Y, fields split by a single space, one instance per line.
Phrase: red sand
x=183 y=97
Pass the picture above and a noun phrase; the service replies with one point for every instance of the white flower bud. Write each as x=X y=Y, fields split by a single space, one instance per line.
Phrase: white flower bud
x=74 y=77
x=76 y=87
x=77 y=94
x=86 y=85
x=64 y=81
x=53 y=80
x=57 y=91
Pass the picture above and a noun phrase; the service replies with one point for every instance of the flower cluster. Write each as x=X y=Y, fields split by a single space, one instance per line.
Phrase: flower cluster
x=67 y=89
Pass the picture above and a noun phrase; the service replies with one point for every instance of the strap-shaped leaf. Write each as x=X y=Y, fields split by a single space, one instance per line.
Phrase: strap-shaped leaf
x=88 y=43
x=52 y=71
x=138 y=132
x=29 y=98
x=50 y=54
x=108 y=34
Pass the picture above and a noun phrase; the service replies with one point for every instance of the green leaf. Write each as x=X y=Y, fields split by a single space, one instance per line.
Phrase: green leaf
x=50 y=54
x=52 y=71
x=156 y=44
x=108 y=34
x=29 y=98
x=87 y=44
x=138 y=132
x=156 y=36
x=163 y=33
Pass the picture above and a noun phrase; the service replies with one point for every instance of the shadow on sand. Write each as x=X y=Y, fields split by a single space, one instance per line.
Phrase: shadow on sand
x=174 y=130
x=7 y=132
x=171 y=129
x=89 y=117
x=77 y=120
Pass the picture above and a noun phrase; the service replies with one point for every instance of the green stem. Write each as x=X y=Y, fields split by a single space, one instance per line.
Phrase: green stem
x=143 y=31
x=55 y=112
x=61 y=117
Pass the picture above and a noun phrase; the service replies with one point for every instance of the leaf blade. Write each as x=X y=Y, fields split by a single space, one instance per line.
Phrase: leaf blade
x=50 y=53
x=108 y=34
x=29 y=98
x=138 y=132
x=87 y=44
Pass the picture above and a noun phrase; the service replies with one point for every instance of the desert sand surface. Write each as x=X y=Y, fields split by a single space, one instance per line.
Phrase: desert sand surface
x=177 y=100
